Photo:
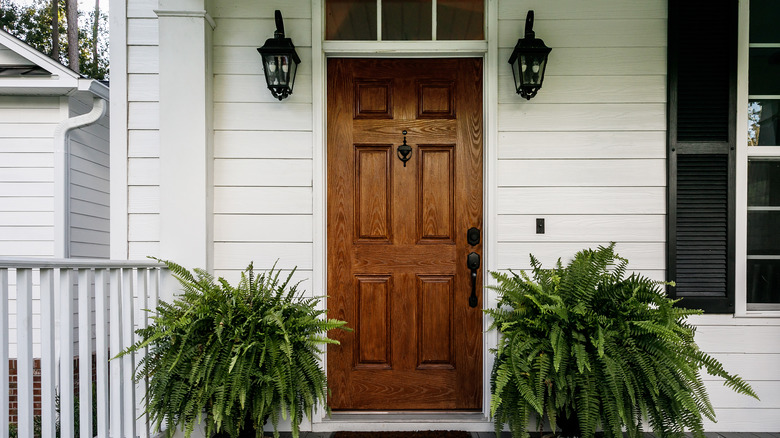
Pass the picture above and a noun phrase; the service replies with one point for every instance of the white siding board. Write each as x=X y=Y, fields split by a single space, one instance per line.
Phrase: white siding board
x=241 y=32
x=726 y=398
x=745 y=339
x=258 y=172
x=143 y=199
x=141 y=250
x=24 y=145
x=20 y=102
x=143 y=88
x=263 y=200
x=598 y=61
x=265 y=255
x=26 y=159
x=753 y=367
x=578 y=10
x=582 y=200
x=604 y=173
x=143 y=171
x=141 y=8
x=262 y=144
x=31 y=204
x=582 y=145
x=143 y=59
x=263 y=116
x=142 y=32
x=246 y=60
x=590 y=33
x=143 y=144
x=25 y=233
x=25 y=189
x=26 y=174
x=530 y=116
x=27 y=248
x=143 y=115
x=263 y=228
x=590 y=89
x=143 y=227
x=33 y=219
x=9 y=57
x=741 y=420
x=640 y=255
x=264 y=9
x=253 y=88
x=29 y=115
x=301 y=277
x=27 y=130
x=582 y=228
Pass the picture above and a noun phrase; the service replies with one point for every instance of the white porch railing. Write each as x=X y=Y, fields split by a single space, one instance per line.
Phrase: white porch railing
x=120 y=290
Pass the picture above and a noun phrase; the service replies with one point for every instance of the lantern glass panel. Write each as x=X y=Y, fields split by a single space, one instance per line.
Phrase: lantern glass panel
x=279 y=70
x=532 y=69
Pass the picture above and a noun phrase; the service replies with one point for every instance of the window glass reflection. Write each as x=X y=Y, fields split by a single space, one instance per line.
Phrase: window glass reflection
x=407 y=20
x=763 y=122
x=350 y=20
x=460 y=19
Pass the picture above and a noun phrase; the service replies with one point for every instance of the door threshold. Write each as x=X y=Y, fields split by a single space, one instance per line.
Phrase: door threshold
x=407 y=417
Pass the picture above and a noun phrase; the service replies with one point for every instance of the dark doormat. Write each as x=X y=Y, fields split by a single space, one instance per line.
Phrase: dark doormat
x=418 y=434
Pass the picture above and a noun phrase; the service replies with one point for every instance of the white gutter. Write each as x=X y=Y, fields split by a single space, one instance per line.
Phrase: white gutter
x=62 y=163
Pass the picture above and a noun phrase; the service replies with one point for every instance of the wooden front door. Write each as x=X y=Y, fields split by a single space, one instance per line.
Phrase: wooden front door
x=397 y=233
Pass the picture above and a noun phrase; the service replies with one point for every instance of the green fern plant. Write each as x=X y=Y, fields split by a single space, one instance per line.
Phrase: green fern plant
x=233 y=356
x=584 y=341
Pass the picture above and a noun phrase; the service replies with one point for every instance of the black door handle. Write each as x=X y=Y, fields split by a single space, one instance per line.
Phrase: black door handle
x=472 y=261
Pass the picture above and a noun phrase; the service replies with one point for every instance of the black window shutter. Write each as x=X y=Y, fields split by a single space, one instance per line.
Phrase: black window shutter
x=702 y=59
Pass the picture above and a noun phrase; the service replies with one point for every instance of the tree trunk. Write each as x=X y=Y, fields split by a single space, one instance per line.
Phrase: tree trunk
x=95 y=29
x=55 y=30
x=72 y=16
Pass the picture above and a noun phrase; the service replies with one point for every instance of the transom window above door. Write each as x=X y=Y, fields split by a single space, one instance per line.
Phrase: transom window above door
x=404 y=20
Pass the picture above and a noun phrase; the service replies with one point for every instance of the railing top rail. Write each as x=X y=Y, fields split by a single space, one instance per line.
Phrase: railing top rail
x=30 y=262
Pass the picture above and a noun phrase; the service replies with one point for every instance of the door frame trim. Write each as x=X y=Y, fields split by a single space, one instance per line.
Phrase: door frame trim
x=489 y=54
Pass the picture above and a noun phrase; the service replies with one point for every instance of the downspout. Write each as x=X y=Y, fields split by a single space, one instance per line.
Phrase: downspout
x=61 y=166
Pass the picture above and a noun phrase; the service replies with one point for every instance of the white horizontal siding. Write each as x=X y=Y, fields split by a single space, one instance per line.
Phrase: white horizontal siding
x=27 y=175
x=143 y=121
x=9 y=57
x=263 y=166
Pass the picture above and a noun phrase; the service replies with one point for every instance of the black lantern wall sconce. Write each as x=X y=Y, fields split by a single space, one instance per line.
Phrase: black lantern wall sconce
x=529 y=60
x=280 y=62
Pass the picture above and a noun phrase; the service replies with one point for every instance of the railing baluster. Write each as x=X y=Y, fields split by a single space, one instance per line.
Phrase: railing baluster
x=66 y=353
x=24 y=356
x=4 y=313
x=101 y=351
x=85 y=353
x=115 y=322
x=121 y=289
x=142 y=288
x=48 y=360
x=128 y=408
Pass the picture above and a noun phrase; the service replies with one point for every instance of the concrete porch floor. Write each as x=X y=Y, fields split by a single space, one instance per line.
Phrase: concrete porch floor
x=533 y=435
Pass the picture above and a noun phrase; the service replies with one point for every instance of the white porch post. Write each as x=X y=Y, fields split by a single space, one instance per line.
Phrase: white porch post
x=186 y=132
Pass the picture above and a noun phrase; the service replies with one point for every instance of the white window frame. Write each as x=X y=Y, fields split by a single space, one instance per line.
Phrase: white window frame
x=743 y=156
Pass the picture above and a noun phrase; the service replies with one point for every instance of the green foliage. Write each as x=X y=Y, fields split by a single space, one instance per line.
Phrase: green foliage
x=585 y=340
x=234 y=355
x=32 y=24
